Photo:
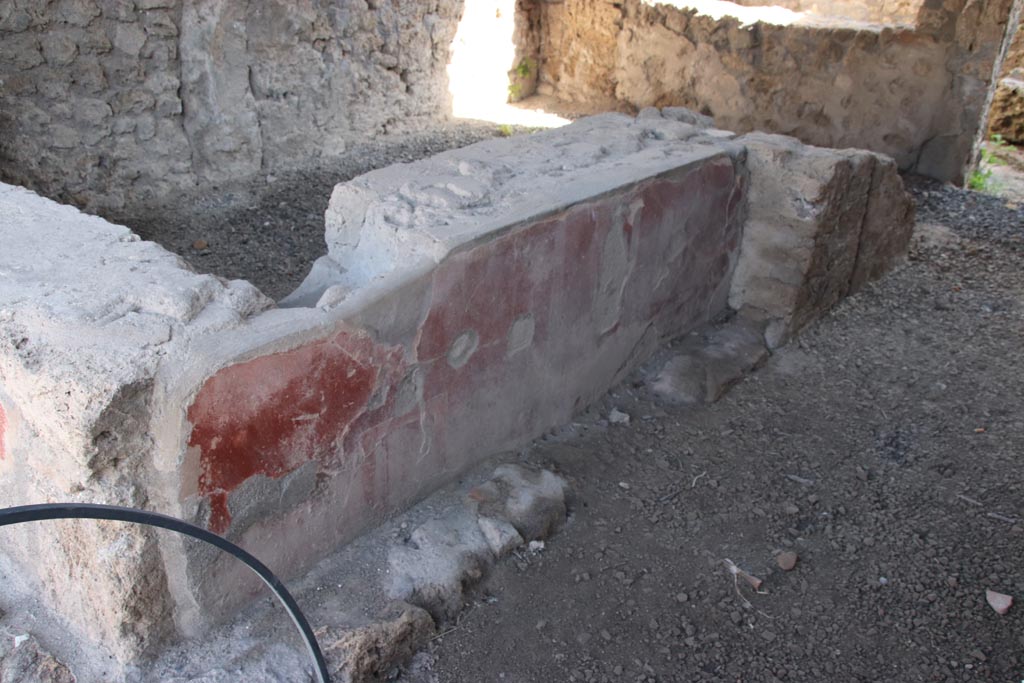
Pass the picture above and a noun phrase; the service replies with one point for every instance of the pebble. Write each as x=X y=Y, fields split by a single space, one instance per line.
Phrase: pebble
x=786 y=560
x=617 y=417
x=200 y=244
x=1000 y=602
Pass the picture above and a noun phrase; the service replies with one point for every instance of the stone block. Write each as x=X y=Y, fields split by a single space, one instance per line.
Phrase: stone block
x=821 y=224
x=88 y=311
x=1007 y=114
x=370 y=652
x=479 y=298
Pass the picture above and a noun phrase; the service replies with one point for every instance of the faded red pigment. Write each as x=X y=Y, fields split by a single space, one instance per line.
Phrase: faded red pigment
x=271 y=414
x=3 y=433
x=333 y=401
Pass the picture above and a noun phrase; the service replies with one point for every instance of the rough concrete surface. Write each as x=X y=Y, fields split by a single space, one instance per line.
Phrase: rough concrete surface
x=22 y=660
x=78 y=354
x=373 y=651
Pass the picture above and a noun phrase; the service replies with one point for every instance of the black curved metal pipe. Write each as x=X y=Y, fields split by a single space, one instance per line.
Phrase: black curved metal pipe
x=38 y=513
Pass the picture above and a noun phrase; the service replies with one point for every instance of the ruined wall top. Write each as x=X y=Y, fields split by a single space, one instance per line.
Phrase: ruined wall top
x=872 y=11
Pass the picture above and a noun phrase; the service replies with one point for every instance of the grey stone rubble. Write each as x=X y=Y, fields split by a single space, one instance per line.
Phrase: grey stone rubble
x=440 y=562
x=423 y=580
x=23 y=660
x=442 y=557
x=706 y=363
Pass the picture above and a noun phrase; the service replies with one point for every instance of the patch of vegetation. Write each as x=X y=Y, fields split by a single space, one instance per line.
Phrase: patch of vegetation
x=981 y=179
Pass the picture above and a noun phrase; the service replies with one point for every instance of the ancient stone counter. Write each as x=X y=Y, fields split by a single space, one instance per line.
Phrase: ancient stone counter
x=468 y=303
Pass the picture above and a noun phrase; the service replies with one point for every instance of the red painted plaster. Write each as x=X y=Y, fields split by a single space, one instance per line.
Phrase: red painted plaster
x=272 y=414
x=3 y=433
x=320 y=402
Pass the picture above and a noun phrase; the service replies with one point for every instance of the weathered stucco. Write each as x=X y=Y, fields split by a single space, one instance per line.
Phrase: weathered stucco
x=101 y=102
x=914 y=91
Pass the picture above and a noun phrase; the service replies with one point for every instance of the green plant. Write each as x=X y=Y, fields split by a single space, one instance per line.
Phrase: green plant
x=514 y=91
x=525 y=68
x=505 y=130
x=980 y=179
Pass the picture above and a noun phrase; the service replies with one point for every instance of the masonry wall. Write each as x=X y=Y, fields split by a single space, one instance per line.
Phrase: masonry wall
x=916 y=93
x=102 y=101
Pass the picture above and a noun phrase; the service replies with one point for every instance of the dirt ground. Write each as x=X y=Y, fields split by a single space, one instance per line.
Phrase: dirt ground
x=885 y=448
x=270 y=230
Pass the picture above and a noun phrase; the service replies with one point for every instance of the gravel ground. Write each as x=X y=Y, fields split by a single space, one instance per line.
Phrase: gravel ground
x=270 y=232
x=885 y=449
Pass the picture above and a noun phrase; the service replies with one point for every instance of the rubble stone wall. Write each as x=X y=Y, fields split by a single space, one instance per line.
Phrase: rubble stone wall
x=1006 y=117
x=916 y=93
x=102 y=101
